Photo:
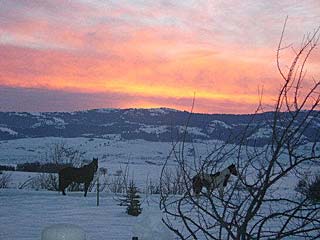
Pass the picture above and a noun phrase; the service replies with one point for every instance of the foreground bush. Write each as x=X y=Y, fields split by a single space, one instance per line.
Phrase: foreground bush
x=310 y=188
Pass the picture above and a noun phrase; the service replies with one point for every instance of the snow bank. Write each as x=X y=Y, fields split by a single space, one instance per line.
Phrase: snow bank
x=63 y=232
x=150 y=227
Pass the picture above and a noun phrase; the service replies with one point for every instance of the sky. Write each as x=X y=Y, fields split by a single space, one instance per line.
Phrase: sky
x=64 y=55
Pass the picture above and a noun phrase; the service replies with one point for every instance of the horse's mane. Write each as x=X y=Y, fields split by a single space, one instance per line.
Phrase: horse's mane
x=93 y=163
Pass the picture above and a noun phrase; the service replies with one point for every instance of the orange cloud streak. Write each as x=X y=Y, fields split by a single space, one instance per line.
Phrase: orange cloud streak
x=126 y=52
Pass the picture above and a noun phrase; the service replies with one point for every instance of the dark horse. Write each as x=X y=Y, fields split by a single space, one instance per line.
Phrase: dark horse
x=212 y=181
x=79 y=175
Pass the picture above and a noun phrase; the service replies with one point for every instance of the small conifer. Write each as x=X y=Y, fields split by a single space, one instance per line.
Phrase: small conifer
x=131 y=200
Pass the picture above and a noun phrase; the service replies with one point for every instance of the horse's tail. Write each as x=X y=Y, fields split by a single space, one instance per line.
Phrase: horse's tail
x=193 y=182
x=60 y=181
x=196 y=185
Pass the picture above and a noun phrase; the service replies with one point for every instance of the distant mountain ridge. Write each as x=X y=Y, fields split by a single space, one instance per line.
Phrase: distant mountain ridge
x=158 y=124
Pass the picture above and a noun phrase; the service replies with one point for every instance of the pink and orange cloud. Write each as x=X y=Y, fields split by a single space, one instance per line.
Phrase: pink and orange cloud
x=146 y=53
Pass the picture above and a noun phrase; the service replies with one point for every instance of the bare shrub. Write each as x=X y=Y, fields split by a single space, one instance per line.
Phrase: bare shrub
x=5 y=179
x=61 y=153
x=58 y=156
x=172 y=181
x=48 y=181
x=119 y=182
x=152 y=187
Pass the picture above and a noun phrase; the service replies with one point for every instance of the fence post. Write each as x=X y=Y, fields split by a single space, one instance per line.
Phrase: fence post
x=98 y=190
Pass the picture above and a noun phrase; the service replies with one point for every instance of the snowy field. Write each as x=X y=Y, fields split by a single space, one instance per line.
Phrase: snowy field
x=143 y=159
x=24 y=214
x=108 y=151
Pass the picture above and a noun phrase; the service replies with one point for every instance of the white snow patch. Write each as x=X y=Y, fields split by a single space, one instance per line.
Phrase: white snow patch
x=106 y=110
x=115 y=137
x=192 y=130
x=107 y=124
x=36 y=114
x=133 y=112
x=215 y=123
x=314 y=120
x=21 y=114
x=262 y=132
x=8 y=130
x=153 y=129
x=150 y=227
x=63 y=231
x=160 y=111
x=58 y=122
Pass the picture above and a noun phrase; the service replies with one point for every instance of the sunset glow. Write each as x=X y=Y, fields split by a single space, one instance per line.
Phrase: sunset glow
x=121 y=54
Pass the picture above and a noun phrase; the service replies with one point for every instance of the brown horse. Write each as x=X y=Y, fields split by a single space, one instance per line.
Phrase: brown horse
x=212 y=181
x=79 y=175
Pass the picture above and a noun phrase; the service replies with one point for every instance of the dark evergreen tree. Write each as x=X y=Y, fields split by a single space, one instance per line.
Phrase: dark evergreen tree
x=314 y=190
x=131 y=200
x=310 y=188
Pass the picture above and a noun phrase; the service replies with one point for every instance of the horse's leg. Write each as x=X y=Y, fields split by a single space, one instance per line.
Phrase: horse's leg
x=62 y=185
x=196 y=190
x=209 y=190
x=221 y=192
x=86 y=186
x=196 y=186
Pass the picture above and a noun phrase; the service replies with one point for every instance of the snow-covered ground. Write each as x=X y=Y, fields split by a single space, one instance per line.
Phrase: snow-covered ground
x=113 y=150
x=144 y=159
x=24 y=214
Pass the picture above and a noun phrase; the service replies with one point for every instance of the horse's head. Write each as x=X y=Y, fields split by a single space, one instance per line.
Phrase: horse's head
x=233 y=170
x=95 y=164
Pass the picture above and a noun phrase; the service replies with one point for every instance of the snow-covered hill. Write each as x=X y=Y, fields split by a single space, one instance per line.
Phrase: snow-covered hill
x=156 y=125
